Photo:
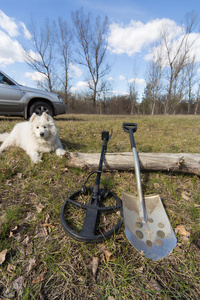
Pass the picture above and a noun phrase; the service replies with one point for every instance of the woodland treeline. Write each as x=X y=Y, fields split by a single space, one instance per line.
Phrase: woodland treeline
x=172 y=76
x=121 y=105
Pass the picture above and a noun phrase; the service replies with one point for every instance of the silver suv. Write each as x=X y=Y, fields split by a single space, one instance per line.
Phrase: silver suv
x=18 y=100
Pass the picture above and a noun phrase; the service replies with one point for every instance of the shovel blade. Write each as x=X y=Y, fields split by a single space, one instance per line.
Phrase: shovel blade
x=155 y=238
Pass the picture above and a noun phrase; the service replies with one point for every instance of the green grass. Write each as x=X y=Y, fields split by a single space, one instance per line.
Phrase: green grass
x=63 y=265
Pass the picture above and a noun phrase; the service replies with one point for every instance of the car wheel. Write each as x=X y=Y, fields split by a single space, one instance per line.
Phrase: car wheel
x=39 y=107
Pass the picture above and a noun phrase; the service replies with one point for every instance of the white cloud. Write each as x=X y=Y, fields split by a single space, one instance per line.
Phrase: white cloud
x=8 y=25
x=116 y=92
x=80 y=85
x=10 y=50
x=75 y=71
x=174 y=44
x=110 y=78
x=137 y=80
x=134 y=37
x=35 y=76
x=27 y=33
x=121 y=77
x=34 y=55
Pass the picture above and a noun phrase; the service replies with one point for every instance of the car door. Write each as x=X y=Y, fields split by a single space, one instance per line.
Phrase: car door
x=10 y=96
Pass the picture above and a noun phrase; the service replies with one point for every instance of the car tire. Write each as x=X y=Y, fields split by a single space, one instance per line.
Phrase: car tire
x=39 y=107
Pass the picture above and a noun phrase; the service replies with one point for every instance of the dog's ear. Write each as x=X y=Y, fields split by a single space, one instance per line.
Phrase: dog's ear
x=46 y=116
x=33 y=117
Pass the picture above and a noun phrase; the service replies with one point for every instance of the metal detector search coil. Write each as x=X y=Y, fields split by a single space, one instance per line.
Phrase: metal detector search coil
x=88 y=232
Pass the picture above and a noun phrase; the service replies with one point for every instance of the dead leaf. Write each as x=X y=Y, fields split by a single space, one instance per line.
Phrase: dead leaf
x=16 y=232
x=153 y=285
x=29 y=248
x=184 y=195
x=156 y=185
x=42 y=232
x=185 y=239
x=3 y=256
x=101 y=247
x=41 y=296
x=49 y=225
x=107 y=255
x=26 y=240
x=31 y=264
x=140 y=270
x=16 y=288
x=11 y=269
x=30 y=217
x=94 y=266
x=18 y=285
x=47 y=218
x=119 y=238
x=181 y=230
x=26 y=249
x=39 y=207
x=19 y=175
x=39 y=278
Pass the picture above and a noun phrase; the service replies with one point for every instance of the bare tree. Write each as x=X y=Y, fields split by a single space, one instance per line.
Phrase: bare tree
x=42 y=58
x=133 y=96
x=64 y=39
x=154 y=77
x=92 y=46
x=191 y=71
x=177 y=55
x=197 y=100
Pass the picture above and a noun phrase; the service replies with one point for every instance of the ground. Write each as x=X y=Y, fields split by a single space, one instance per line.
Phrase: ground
x=38 y=260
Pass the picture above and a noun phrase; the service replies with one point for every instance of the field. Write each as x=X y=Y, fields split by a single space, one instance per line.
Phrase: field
x=38 y=260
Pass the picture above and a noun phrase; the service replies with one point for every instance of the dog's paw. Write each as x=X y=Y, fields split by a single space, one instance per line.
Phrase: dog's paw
x=60 y=152
x=35 y=157
x=37 y=161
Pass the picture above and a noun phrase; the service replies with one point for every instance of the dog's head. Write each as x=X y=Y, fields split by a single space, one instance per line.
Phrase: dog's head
x=43 y=126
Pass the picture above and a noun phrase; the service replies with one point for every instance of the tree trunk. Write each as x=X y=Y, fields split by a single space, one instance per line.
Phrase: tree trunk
x=172 y=162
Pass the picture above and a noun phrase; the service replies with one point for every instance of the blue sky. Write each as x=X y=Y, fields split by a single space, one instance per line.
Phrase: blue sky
x=134 y=26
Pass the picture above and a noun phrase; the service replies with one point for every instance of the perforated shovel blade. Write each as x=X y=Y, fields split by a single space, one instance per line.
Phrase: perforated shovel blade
x=155 y=238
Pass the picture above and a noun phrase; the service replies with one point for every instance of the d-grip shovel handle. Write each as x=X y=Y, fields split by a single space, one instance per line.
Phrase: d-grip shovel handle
x=130 y=128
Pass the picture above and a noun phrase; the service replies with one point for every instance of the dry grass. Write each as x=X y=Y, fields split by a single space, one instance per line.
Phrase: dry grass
x=51 y=265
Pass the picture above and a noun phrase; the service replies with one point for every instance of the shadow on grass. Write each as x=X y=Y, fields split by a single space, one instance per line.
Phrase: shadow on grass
x=68 y=119
x=72 y=146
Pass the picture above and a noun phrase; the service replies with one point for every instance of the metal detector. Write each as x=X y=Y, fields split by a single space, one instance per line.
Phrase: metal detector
x=90 y=231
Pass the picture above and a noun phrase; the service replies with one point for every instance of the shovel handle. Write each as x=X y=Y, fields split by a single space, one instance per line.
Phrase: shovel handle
x=129 y=126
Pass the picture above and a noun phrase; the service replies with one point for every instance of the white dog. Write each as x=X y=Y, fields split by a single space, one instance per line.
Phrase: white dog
x=37 y=136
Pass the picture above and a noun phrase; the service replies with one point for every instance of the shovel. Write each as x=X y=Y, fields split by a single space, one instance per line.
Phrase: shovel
x=147 y=226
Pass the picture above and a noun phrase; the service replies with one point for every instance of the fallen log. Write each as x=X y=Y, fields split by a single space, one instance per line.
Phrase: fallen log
x=174 y=162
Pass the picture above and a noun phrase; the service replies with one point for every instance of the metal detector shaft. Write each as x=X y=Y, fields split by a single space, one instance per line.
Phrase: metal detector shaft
x=94 y=198
x=91 y=214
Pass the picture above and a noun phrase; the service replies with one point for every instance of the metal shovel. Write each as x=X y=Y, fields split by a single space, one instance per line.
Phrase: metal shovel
x=146 y=223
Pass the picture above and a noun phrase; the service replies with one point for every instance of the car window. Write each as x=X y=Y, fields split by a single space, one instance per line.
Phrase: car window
x=5 y=80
